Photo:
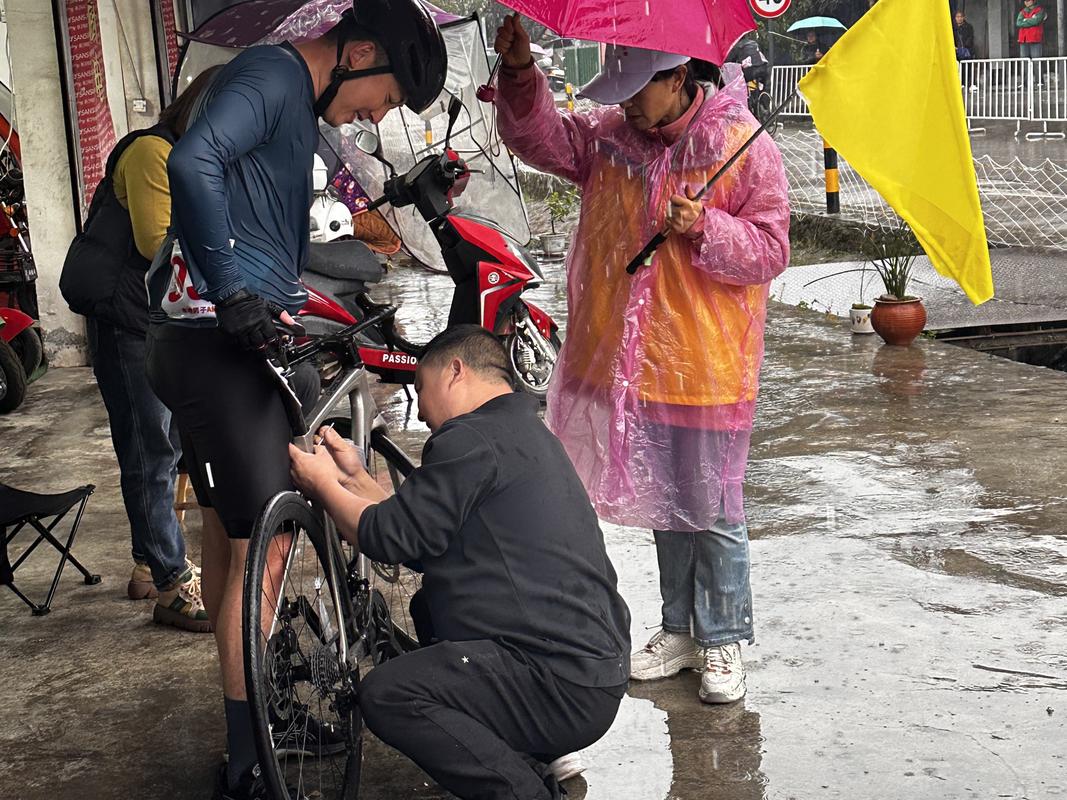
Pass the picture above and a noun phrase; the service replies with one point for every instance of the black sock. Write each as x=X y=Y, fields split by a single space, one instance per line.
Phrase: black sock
x=240 y=740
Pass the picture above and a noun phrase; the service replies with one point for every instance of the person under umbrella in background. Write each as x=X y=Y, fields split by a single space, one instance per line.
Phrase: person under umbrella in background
x=655 y=388
x=812 y=50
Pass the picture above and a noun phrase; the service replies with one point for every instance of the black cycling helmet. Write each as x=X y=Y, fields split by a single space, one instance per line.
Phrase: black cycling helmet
x=412 y=42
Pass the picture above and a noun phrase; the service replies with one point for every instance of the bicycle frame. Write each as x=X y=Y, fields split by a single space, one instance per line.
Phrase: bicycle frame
x=355 y=386
x=365 y=415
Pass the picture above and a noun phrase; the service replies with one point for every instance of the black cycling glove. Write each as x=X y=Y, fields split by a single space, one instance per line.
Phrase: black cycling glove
x=247 y=318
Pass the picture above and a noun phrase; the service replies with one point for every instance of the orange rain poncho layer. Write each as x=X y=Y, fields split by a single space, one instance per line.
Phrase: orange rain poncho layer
x=655 y=388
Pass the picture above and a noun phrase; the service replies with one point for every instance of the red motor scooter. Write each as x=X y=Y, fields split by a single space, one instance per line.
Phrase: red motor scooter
x=490 y=269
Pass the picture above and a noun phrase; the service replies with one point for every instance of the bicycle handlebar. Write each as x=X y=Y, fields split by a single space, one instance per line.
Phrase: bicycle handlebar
x=344 y=336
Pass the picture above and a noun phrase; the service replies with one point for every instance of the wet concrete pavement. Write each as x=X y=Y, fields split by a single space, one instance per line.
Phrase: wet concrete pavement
x=908 y=518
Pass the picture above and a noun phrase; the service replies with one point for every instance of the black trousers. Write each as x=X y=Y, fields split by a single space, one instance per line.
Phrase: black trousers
x=482 y=719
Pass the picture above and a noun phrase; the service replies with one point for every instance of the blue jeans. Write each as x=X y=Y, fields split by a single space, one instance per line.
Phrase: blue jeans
x=1030 y=49
x=146 y=443
x=704 y=583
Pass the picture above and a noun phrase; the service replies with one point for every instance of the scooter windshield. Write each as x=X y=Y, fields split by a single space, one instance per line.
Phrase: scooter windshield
x=492 y=191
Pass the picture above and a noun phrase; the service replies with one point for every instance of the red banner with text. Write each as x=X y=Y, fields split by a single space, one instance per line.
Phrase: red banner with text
x=96 y=129
x=170 y=33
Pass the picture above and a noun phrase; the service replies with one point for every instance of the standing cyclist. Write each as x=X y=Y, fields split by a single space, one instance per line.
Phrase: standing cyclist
x=241 y=191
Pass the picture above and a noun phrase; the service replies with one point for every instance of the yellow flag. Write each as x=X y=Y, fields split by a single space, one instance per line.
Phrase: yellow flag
x=887 y=97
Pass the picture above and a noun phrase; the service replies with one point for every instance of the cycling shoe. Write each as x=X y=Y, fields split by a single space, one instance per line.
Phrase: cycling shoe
x=251 y=787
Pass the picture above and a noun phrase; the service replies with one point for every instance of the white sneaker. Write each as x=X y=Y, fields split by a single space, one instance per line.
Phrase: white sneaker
x=666 y=654
x=566 y=767
x=723 y=676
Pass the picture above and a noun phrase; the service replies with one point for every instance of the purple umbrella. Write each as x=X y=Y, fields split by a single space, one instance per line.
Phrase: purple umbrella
x=272 y=21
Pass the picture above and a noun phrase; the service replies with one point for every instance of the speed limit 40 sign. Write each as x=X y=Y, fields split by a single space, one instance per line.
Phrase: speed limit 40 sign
x=769 y=9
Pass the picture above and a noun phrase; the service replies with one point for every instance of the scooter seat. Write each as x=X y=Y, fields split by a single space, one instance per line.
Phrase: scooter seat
x=347 y=260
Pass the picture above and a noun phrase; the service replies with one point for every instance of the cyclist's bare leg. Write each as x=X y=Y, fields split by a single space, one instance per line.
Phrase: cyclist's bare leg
x=228 y=629
x=228 y=633
x=215 y=558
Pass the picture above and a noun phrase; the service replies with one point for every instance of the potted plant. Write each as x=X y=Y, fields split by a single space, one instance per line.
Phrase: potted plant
x=897 y=316
x=561 y=203
x=859 y=317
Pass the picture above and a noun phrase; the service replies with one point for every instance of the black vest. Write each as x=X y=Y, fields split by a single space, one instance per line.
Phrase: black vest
x=103 y=273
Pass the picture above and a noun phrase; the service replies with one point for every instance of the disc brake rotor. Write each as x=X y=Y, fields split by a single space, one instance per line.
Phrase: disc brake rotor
x=390 y=573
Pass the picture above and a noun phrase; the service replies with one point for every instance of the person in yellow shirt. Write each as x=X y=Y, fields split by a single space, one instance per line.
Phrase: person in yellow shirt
x=104 y=279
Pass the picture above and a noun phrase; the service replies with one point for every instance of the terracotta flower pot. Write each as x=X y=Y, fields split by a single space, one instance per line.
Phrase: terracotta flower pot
x=898 y=322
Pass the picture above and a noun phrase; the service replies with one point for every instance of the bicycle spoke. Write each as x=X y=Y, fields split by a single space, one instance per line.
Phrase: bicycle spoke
x=300 y=684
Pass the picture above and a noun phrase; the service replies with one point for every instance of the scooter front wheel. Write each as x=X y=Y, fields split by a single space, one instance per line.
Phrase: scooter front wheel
x=532 y=362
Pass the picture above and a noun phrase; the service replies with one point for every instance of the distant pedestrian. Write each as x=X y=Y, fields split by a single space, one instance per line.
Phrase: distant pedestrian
x=812 y=51
x=1031 y=24
x=963 y=33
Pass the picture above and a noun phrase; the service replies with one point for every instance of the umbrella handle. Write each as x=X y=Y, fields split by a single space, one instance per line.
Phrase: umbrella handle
x=486 y=92
x=645 y=256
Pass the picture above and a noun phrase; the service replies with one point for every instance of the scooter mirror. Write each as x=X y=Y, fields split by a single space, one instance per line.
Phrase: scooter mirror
x=368 y=142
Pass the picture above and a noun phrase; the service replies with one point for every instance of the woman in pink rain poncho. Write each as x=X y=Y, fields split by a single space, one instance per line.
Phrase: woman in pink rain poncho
x=655 y=387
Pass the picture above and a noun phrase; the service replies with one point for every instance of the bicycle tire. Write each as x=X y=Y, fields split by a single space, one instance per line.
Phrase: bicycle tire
x=395 y=584
x=294 y=673
x=764 y=107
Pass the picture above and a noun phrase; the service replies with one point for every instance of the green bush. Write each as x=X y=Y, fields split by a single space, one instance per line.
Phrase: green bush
x=561 y=203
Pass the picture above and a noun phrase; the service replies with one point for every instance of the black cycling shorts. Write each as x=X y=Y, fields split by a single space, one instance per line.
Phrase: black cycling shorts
x=228 y=409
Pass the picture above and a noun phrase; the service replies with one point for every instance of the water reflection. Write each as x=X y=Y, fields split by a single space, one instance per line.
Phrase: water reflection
x=691 y=752
x=632 y=760
x=900 y=371
x=716 y=751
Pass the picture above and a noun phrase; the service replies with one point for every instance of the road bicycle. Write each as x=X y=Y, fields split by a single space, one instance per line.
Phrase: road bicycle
x=317 y=614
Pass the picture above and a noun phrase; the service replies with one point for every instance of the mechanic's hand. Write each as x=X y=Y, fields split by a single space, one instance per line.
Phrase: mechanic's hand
x=684 y=211
x=247 y=318
x=349 y=462
x=312 y=472
x=513 y=44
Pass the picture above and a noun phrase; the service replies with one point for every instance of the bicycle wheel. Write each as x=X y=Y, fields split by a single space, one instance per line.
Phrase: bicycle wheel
x=302 y=687
x=392 y=585
x=763 y=113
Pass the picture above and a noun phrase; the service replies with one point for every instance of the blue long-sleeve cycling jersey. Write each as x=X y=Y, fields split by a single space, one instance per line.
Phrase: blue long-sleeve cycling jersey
x=240 y=179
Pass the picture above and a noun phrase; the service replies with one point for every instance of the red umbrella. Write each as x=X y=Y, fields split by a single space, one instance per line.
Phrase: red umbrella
x=705 y=29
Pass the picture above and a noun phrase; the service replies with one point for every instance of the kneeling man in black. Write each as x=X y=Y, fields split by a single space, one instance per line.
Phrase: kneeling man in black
x=525 y=639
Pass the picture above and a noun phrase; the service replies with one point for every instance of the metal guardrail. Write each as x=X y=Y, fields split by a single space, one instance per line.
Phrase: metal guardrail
x=783 y=81
x=996 y=88
x=1049 y=90
x=1013 y=89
